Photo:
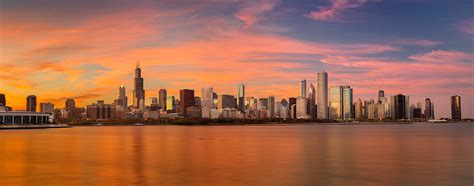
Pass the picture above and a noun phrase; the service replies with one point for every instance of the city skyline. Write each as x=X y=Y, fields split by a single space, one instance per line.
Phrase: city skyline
x=240 y=44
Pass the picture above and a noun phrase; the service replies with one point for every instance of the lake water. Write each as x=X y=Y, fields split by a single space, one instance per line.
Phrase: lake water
x=418 y=154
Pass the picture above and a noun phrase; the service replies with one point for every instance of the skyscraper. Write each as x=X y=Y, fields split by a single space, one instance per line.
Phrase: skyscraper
x=122 y=99
x=271 y=106
x=47 y=107
x=226 y=101
x=162 y=95
x=359 y=115
x=138 y=92
x=170 y=104
x=347 y=101
x=335 y=102
x=303 y=88
x=207 y=100
x=241 y=98
x=456 y=108
x=322 y=95
x=312 y=101
x=3 y=101
x=429 y=113
x=301 y=108
x=31 y=103
x=70 y=105
x=400 y=107
x=186 y=98
x=380 y=95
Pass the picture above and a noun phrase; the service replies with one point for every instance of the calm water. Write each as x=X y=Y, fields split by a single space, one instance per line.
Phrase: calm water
x=419 y=154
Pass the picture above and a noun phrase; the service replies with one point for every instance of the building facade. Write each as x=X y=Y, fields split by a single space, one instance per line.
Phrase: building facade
x=456 y=108
x=31 y=103
x=322 y=95
x=186 y=99
x=138 y=92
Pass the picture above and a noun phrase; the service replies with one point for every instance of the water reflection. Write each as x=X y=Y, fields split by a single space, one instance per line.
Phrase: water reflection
x=421 y=154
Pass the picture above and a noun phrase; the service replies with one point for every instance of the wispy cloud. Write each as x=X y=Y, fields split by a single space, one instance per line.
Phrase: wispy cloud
x=466 y=26
x=251 y=12
x=333 y=11
x=417 y=42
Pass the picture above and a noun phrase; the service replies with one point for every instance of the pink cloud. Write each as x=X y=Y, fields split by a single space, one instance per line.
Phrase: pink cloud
x=417 y=42
x=252 y=11
x=466 y=26
x=330 y=13
x=443 y=56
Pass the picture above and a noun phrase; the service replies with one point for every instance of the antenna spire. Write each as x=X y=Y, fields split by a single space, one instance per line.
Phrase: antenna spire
x=138 y=64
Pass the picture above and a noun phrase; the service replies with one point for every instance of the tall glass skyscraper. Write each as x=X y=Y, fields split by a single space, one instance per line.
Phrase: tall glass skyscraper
x=347 y=100
x=322 y=95
x=456 y=107
x=162 y=95
x=241 y=98
x=335 y=102
x=303 y=88
x=31 y=103
x=138 y=92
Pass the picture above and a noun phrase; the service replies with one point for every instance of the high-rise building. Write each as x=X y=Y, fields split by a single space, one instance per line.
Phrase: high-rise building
x=197 y=101
x=380 y=95
x=226 y=101
x=138 y=92
x=301 y=108
x=207 y=98
x=241 y=98
x=312 y=102
x=70 y=105
x=284 y=110
x=291 y=104
x=262 y=104
x=122 y=99
x=100 y=110
x=3 y=101
x=271 y=106
x=162 y=95
x=303 y=88
x=47 y=107
x=456 y=107
x=186 y=98
x=170 y=106
x=429 y=112
x=322 y=95
x=347 y=100
x=335 y=102
x=400 y=107
x=31 y=103
x=359 y=115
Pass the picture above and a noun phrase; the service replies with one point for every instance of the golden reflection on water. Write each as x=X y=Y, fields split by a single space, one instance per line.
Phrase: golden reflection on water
x=420 y=154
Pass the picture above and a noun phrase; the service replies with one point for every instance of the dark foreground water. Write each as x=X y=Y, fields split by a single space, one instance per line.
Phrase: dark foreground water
x=419 y=154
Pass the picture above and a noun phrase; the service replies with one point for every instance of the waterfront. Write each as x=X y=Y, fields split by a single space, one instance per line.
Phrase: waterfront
x=418 y=154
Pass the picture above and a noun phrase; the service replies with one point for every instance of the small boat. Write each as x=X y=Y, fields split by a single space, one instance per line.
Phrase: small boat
x=437 y=121
x=98 y=124
x=138 y=124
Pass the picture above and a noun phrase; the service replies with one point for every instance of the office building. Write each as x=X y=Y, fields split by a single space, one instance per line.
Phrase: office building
x=312 y=111
x=400 y=107
x=322 y=96
x=303 y=88
x=381 y=94
x=226 y=101
x=31 y=103
x=207 y=98
x=429 y=109
x=301 y=108
x=241 y=98
x=47 y=107
x=3 y=100
x=138 y=92
x=186 y=99
x=100 y=111
x=271 y=107
x=359 y=115
x=162 y=95
x=170 y=104
x=347 y=100
x=456 y=108
x=335 y=102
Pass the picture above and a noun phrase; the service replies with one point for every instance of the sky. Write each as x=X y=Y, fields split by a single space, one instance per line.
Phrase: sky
x=86 y=49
